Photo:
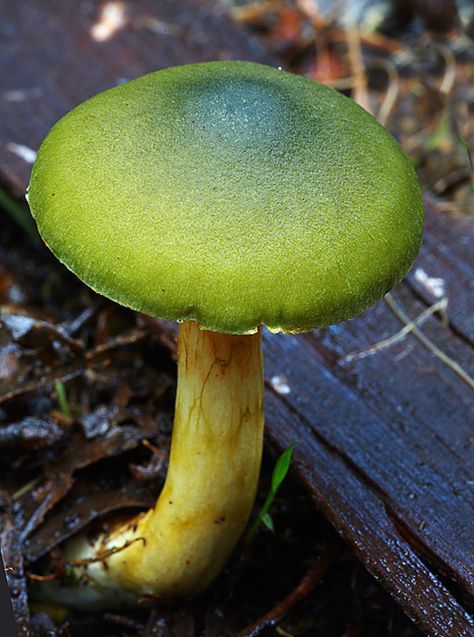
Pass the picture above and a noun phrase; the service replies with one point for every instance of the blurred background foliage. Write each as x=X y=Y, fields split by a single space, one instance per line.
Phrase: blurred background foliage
x=409 y=62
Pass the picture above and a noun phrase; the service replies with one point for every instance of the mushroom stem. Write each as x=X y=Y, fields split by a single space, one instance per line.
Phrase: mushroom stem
x=180 y=546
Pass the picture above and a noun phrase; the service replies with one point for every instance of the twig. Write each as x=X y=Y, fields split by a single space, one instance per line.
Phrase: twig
x=374 y=40
x=360 y=91
x=392 y=91
x=76 y=324
x=128 y=338
x=19 y=324
x=82 y=563
x=341 y=84
x=410 y=326
x=449 y=76
x=57 y=488
x=100 y=557
x=43 y=578
x=63 y=374
x=428 y=343
x=304 y=588
x=154 y=450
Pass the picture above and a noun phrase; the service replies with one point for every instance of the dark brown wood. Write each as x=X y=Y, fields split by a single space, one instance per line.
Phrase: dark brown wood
x=373 y=453
x=51 y=61
x=448 y=251
x=402 y=422
x=385 y=440
x=8 y=620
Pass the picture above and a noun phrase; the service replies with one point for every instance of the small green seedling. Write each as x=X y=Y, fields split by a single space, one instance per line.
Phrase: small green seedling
x=279 y=474
x=19 y=215
x=63 y=401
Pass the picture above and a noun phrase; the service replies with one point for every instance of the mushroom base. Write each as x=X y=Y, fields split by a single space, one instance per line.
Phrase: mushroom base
x=180 y=546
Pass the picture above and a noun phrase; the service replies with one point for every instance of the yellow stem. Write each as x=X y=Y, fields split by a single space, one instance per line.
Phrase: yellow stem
x=211 y=482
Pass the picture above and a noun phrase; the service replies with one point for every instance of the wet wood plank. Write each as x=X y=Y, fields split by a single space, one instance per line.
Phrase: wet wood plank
x=359 y=512
x=55 y=55
x=385 y=441
x=448 y=250
x=400 y=425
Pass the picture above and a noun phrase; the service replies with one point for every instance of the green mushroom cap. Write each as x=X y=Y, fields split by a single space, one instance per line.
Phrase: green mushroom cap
x=229 y=193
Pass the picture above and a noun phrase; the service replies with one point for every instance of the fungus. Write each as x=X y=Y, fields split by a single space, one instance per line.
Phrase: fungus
x=225 y=196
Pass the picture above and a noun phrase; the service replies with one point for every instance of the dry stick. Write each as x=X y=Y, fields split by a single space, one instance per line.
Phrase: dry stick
x=309 y=8
x=154 y=450
x=304 y=588
x=31 y=323
x=127 y=338
x=43 y=578
x=70 y=328
x=375 y=40
x=360 y=96
x=449 y=76
x=360 y=92
x=428 y=343
x=100 y=557
x=341 y=84
x=84 y=563
x=410 y=326
x=76 y=369
x=445 y=88
x=38 y=514
x=391 y=93
x=62 y=375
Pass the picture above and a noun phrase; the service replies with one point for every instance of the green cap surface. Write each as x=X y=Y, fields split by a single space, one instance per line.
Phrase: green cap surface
x=229 y=193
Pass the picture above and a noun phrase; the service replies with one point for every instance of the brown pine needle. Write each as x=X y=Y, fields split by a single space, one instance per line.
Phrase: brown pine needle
x=153 y=449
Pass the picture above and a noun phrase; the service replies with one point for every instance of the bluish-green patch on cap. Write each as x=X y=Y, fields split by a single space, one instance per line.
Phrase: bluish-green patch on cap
x=229 y=193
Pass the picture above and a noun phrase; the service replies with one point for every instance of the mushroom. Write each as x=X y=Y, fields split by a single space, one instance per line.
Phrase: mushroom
x=225 y=196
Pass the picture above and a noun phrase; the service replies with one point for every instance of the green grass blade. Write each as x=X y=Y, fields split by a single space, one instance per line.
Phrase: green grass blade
x=280 y=472
x=20 y=215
